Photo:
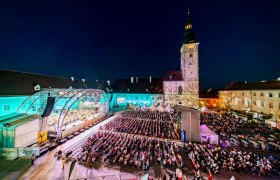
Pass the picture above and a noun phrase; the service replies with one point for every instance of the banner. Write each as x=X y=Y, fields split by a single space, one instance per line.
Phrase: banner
x=42 y=136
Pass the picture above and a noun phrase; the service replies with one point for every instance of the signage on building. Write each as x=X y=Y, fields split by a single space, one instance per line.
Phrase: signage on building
x=28 y=151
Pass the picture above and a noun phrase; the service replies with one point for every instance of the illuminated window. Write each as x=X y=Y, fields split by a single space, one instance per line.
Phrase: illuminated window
x=270 y=105
x=180 y=90
x=190 y=50
x=7 y=107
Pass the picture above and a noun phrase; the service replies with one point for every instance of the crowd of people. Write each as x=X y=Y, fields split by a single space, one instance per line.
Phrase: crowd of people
x=153 y=128
x=222 y=122
x=129 y=150
x=152 y=115
x=240 y=131
x=214 y=158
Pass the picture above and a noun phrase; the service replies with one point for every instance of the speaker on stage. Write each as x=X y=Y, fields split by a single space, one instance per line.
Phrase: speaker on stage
x=49 y=107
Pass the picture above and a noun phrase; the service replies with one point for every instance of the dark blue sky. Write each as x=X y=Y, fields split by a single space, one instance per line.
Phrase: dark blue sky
x=239 y=40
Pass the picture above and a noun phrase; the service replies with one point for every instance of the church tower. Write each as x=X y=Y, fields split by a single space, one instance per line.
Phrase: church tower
x=190 y=63
x=182 y=87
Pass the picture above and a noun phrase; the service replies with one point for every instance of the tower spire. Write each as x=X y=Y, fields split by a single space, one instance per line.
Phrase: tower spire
x=189 y=35
x=189 y=22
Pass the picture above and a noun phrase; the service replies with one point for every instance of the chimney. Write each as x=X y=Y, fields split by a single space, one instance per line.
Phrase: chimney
x=150 y=79
x=136 y=79
x=131 y=79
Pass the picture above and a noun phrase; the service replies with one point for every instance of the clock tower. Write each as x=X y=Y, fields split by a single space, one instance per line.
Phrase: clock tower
x=185 y=89
x=189 y=63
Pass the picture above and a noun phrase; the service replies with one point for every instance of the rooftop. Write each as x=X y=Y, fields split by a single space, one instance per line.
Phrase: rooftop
x=263 y=85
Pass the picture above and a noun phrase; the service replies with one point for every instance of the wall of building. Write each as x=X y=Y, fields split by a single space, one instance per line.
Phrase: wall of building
x=209 y=102
x=265 y=101
x=10 y=104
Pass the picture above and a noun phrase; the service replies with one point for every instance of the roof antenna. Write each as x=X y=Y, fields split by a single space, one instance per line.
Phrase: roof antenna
x=189 y=12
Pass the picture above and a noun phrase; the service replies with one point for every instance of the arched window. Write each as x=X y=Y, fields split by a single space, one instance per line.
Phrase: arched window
x=180 y=90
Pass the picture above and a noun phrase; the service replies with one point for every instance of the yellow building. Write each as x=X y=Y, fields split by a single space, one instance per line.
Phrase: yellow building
x=209 y=98
x=261 y=97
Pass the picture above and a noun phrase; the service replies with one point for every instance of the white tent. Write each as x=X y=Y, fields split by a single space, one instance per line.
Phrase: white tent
x=160 y=108
x=207 y=135
x=152 y=107
x=168 y=108
x=144 y=107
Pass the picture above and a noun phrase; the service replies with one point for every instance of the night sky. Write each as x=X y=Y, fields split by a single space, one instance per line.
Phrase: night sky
x=239 y=40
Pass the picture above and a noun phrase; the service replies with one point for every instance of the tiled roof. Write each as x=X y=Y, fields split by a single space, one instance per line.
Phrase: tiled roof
x=143 y=85
x=22 y=83
x=173 y=76
x=267 y=85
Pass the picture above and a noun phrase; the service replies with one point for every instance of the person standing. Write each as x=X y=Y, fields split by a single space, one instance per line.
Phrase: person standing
x=63 y=159
x=32 y=159
x=210 y=176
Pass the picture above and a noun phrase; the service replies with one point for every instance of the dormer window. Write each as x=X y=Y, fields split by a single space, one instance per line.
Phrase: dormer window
x=170 y=77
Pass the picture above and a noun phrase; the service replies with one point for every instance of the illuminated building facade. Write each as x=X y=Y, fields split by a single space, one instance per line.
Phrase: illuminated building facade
x=182 y=87
x=209 y=98
x=261 y=97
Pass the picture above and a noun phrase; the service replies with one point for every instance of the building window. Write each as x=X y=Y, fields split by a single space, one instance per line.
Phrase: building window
x=269 y=94
x=191 y=55
x=254 y=94
x=279 y=95
x=261 y=94
x=262 y=103
x=254 y=102
x=180 y=90
x=270 y=105
x=242 y=93
x=190 y=50
x=7 y=108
